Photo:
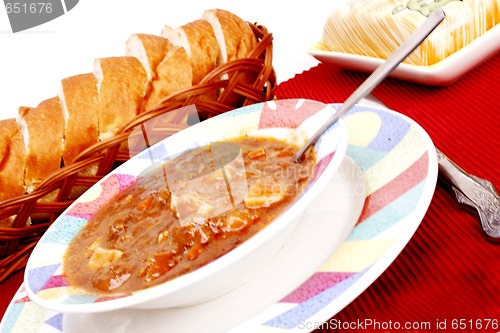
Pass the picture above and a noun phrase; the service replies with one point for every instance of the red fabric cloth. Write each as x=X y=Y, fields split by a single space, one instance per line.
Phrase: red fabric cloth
x=8 y=289
x=448 y=273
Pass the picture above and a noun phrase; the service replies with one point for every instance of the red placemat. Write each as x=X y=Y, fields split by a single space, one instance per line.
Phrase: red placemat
x=8 y=288
x=448 y=276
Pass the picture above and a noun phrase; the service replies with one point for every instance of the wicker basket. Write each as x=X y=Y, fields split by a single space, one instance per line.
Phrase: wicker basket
x=237 y=83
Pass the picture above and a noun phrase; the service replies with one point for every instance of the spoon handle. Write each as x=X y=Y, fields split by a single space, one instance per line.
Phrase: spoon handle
x=380 y=73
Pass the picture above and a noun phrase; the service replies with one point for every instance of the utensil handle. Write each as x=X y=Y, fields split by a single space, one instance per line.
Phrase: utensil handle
x=395 y=59
x=475 y=192
x=380 y=73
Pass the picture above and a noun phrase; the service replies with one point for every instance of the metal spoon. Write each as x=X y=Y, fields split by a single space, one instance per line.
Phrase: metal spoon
x=380 y=73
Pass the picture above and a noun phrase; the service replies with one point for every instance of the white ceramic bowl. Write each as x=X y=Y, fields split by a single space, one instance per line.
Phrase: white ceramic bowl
x=294 y=120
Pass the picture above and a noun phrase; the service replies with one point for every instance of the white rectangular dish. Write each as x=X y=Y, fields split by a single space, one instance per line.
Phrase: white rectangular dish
x=443 y=73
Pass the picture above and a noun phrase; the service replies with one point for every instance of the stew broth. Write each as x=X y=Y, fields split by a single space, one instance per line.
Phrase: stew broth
x=185 y=214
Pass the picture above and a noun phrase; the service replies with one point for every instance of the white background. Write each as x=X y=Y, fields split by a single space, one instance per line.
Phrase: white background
x=33 y=62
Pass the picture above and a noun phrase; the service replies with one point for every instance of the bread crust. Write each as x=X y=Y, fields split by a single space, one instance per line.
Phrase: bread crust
x=80 y=103
x=44 y=126
x=148 y=49
x=174 y=73
x=203 y=48
x=235 y=37
x=236 y=40
x=12 y=160
x=121 y=86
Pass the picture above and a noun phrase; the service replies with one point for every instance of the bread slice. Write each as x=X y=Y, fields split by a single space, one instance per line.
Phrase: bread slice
x=42 y=129
x=174 y=73
x=80 y=104
x=198 y=39
x=150 y=50
x=236 y=40
x=12 y=160
x=121 y=84
x=234 y=36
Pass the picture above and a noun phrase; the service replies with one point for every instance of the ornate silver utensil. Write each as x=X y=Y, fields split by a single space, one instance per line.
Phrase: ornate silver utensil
x=475 y=192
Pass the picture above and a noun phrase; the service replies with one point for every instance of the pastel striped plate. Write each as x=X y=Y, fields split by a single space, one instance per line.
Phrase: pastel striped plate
x=391 y=160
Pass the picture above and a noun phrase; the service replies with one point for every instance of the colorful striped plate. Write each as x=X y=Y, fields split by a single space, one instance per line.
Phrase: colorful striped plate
x=398 y=162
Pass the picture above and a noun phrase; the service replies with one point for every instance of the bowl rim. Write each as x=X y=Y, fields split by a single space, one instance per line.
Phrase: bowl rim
x=115 y=302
